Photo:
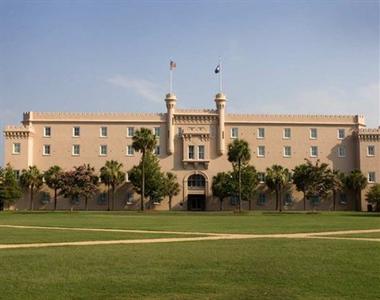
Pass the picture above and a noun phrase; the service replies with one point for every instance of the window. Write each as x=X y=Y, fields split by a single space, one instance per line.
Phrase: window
x=157 y=150
x=130 y=150
x=287 y=133
x=343 y=199
x=341 y=134
x=313 y=151
x=201 y=152
x=341 y=151
x=371 y=177
x=103 y=131
x=130 y=131
x=262 y=199
x=180 y=131
x=103 y=150
x=287 y=151
x=196 y=181
x=261 y=177
x=16 y=148
x=102 y=199
x=47 y=131
x=76 y=150
x=76 y=131
x=191 y=152
x=46 y=150
x=234 y=133
x=157 y=132
x=261 y=133
x=371 y=150
x=313 y=133
x=261 y=151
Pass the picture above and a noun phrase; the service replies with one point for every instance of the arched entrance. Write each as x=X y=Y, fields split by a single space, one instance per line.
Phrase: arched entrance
x=196 y=187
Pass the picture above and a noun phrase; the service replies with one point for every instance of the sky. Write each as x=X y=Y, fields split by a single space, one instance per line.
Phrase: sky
x=288 y=56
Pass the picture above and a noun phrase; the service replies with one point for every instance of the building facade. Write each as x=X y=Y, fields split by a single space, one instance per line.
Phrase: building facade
x=193 y=145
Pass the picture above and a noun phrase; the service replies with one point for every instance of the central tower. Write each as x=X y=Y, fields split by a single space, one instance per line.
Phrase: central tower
x=170 y=100
x=220 y=100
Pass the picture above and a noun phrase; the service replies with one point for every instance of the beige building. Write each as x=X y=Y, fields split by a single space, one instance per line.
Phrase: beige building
x=193 y=145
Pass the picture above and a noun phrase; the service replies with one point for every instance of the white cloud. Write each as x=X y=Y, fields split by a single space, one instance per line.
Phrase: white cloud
x=144 y=88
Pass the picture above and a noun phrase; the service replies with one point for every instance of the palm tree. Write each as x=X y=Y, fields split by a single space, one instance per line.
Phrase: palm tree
x=301 y=176
x=143 y=141
x=112 y=175
x=239 y=154
x=276 y=179
x=356 y=181
x=171 y=187
x=31 y=179
x=53 y=179
x=337 y=178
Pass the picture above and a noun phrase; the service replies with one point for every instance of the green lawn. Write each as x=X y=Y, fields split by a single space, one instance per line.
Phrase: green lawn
x=226 y=269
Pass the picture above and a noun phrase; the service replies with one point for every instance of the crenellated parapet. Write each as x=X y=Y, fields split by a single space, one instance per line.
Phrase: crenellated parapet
x=296 y=119
x=369 y=134
x=17 y=132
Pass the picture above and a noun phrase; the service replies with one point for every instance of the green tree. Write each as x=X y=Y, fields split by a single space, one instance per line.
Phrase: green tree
x=80 y=183
x=373 y=196
x=222 y=186
x=112 y=175
x=356 y=182
x=277 y=178
x=249 y=182
x=239 y=155
x=144 y=141
x=153 y=187
x=171 y=187
x=32 y=180
x=338 y=179
x=53 y=179
x=301 y=177
x=9 y=188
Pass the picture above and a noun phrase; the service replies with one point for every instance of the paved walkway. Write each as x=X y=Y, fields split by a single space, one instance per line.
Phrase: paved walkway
x=205 y=236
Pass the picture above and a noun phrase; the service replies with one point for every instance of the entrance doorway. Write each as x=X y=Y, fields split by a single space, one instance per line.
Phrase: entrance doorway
x=196 y=202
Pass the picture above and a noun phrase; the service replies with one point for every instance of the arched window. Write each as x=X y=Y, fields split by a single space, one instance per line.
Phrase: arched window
x=196 y=181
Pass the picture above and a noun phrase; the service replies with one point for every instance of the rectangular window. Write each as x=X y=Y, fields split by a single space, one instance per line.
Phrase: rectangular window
x=261 y=177
x=16 y=148
x=76 y=150
x=103 y=131
x=157 y=132
x=341 y=151
x=287 y=151
x=191 y=152
x=47 y=131
x=130 y=150
x=341 y=134
x=260 y=133
x=313 y=151
x=201 y=152
x=234 y=133
x=313 y=133
x=130 y=131
x=371 y=177
x=262 y=199
x=287 y=133
x=157 y=150
x=46 y=150
x=371 y=150
x=261 y=151
x=180 y=131
x=76 y=131
x=103 y=149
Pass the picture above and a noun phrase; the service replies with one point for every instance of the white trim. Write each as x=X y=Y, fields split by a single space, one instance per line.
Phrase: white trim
x=132 y=153
x=237 y=133
x=338 y=134
x=72 y=150
x=316 y=133
x=258 y=151
x=260 y=137
x=311 y=151
x=283 y=133
x=73 y=132
x=344 y=151
x=101 y=132
x=13 y=148
x=44 y=132
x=374 y=177
x=284 y=151
x=44 y=148
x=100 y=150
x=374 y=151
x=133 y=130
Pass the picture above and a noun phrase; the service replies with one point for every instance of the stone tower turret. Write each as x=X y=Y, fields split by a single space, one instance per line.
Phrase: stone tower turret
x=170 y=100
x=220 y=100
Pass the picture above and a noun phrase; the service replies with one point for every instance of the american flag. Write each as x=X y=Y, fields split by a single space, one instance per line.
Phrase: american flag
x=173 y=65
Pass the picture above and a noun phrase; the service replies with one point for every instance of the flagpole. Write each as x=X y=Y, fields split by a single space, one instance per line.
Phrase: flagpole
x=220 y=76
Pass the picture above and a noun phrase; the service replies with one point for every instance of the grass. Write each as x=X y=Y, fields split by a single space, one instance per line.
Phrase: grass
x=225 y=269
x=200 y=222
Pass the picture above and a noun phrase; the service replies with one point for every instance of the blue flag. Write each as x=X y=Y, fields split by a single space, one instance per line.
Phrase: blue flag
x=217 y=69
